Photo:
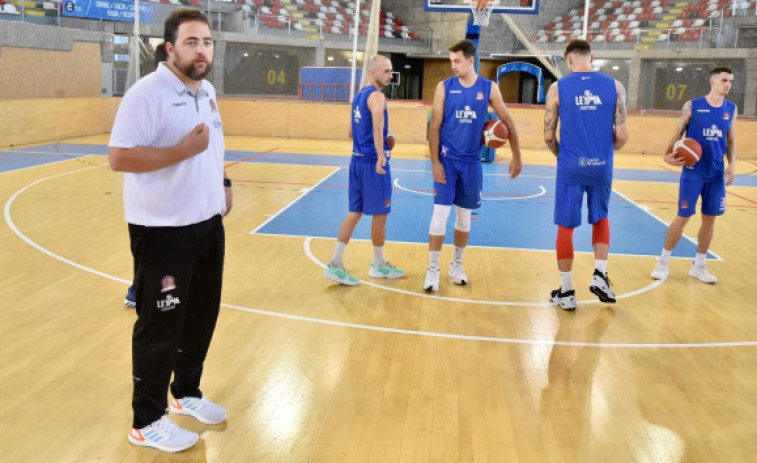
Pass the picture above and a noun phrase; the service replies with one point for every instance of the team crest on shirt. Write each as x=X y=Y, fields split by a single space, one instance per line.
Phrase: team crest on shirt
x=726 y=116
x=480 y=96
x=167 y=283
x=213 y=106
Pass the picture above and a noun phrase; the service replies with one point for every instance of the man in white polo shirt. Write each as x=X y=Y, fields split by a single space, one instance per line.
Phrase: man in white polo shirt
x=167 y=138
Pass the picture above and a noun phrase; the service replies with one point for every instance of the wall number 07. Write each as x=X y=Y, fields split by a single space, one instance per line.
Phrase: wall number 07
x=675 y=92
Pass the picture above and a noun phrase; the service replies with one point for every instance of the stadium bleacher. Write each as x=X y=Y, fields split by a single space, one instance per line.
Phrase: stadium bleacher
x=639 y=22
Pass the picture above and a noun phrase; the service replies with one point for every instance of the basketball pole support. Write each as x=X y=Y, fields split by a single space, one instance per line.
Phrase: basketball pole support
x=473 y=33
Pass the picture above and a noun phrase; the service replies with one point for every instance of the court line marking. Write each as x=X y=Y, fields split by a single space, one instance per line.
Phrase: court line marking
x=424 y=193
x=311 y=256
x=304 y=192
x=17 y=231
x=717 y=257
x=30 y=242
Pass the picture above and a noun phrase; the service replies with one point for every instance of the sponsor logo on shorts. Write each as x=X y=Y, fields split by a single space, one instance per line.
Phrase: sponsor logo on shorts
x=167 y=283
x=434 y=191
x=169 y=303
x=387 y=204
x=684 y=204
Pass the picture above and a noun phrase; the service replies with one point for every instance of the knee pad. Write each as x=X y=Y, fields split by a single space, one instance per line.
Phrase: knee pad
x=439 y=220
x=462 y=219
x=564 y=245
x=600 y=232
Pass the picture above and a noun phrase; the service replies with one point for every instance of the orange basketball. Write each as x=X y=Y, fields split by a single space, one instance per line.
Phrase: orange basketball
x=688 y=149
x=481 y=4
x=390 y=140
x=495 y=133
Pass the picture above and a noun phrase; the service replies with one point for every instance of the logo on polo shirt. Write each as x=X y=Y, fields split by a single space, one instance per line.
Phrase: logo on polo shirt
x=180 y=103
x=213 y=106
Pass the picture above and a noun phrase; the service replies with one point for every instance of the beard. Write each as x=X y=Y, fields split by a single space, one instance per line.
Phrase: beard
x=193 y=72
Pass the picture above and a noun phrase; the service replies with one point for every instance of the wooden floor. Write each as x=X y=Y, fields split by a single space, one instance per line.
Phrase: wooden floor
x=313 y=372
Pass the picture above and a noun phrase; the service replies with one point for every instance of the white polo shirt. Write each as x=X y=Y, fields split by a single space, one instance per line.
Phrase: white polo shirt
x=159 y=111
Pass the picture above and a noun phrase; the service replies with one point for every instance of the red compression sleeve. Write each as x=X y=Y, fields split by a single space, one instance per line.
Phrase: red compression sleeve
x=564 y=244
x=600 y=232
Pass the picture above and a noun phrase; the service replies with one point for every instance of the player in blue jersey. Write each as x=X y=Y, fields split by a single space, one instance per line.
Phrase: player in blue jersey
x=708 y=120
x=591 y=110
x=459 y=112
x=370 y=183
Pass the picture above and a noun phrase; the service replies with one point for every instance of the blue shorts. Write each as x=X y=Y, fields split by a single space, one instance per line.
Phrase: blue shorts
x=369 y=192
x=713 y=196
x=464 y=184
x=569 y=199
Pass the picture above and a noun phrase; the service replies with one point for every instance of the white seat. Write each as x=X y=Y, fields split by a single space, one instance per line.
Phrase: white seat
x=633 y=24
x=599 y=38
x=10 y=9
x=619 y=38
x=631 y=17
x=614 y=25
x=662 y=37
x=698 y=23
x=658 y=10
x=677 y=23
x=560 y=38
x=680 y=30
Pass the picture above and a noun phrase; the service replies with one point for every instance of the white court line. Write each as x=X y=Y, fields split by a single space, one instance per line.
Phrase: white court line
x=661 y=221
x=309 y=253
x=546 y=342
x=303 y=192
x=12 y=225
x=487 y=198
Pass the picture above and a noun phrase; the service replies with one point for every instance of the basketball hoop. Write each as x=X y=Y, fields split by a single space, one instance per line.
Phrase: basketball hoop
x=482 y=10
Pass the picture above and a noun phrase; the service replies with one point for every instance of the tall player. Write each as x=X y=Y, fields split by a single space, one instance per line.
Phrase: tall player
x=370 y=183
x=461 y=105
x=591 y=109
x=708 y=120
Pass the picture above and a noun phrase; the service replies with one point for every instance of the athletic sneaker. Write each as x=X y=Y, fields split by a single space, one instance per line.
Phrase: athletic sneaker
x=600 y=285
x=163 y=434
x=385 y=270
x=566 y=300
x=340 y=275
x=457 y=273
x=203 y=409
x=131 y=297
x=431 y=282
x=660 y=271
x=700 y=272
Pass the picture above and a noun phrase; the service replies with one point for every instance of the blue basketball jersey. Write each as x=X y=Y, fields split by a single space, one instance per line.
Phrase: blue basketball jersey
x=709 y=126
x=587 y=112
x=465 y=113
x=362 y=126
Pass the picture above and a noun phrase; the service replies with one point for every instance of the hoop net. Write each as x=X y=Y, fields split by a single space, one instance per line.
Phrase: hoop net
x=482 y=10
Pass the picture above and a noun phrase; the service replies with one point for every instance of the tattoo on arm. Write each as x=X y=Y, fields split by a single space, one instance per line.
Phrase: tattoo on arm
x=620 y=106
x=683 y=121
x=551 y=116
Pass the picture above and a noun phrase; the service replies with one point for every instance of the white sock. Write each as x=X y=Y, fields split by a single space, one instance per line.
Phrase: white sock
x=700 y=260
x=458 y=257
x=601 y=265
x=336 y=261
x=566 y=279
x=378 y=256
x=433 y=259
x=665 y=256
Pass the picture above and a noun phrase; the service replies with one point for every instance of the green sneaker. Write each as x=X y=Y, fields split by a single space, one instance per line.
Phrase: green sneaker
x=386 y=270
x=340 y=275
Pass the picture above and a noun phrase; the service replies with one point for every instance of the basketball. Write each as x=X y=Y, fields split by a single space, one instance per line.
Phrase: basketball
x=390 y=140
x=688 y=149
x=495 y=133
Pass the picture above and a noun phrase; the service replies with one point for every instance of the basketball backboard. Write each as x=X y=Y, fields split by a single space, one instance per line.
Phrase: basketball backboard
x=462 y=6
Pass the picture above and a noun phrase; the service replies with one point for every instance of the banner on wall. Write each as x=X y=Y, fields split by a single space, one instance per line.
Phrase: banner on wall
x=113 y=10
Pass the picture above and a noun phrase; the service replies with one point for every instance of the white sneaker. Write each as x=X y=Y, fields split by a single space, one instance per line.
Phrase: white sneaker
x=565 y=300
x=203 y=409
x=457 y=273
x=385 y=270
x=431 y=282
x=601 y=287
x=660 y=271
x=163 y=434
x=700 y=272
